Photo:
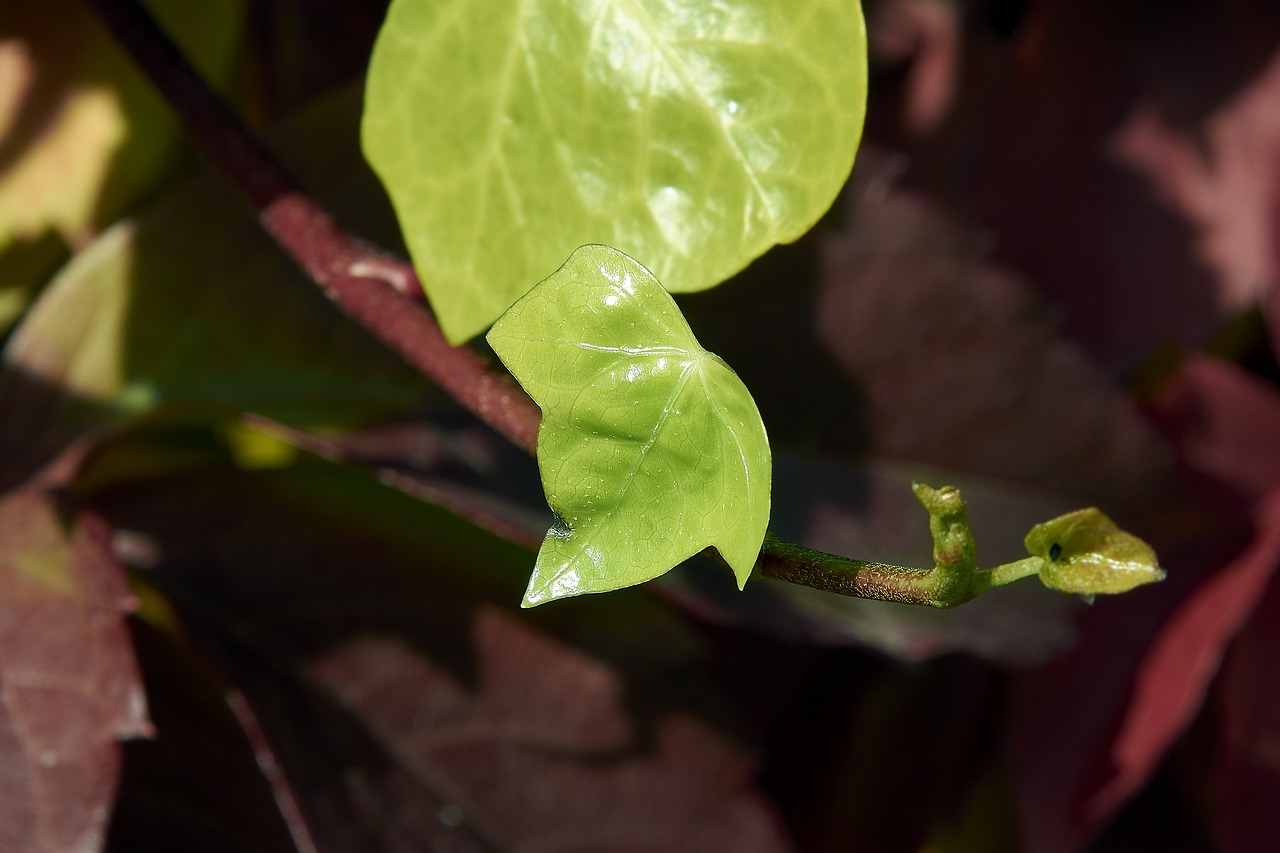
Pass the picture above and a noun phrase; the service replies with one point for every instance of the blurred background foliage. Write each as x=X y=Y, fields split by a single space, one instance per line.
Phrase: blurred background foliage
x=233 y=616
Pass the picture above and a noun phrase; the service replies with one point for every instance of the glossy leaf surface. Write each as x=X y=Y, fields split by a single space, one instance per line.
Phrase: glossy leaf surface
x=650 y=448
x=692 y=135
x=1086 y=553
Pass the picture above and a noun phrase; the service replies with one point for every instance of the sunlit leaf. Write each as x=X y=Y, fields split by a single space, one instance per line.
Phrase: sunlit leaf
x=650 y=448
x=84 y=135
x=192 y=303
x=1086 y=553
x=694 y=135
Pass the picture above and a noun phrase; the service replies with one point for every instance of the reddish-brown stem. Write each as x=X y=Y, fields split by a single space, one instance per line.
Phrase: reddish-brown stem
x=785 y=561
x=344 y=269
x=265 y=756
x=377 y=291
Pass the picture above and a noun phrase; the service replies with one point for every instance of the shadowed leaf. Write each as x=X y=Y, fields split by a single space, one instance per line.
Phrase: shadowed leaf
x=406 y=707
x=1164 y=173
x=960 y=363
x=69 y=687
x=1246 y=773
x=198 y=784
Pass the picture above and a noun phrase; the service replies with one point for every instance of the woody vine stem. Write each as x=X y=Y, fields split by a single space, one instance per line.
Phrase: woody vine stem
x=382 y=293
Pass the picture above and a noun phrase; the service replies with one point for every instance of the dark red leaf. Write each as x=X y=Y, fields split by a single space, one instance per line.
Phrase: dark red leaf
x=408 y=706
x=1133 y=185
x=1089 y=731
x=1225 y=424
x=1246 y=778
x=926 y=38
x=1272 y=304
x=960 y=363
x=69 y=688
x=198 y=785
x=1182 y=660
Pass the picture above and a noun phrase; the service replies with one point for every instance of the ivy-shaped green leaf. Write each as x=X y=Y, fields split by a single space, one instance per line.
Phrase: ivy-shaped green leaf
x=1085 y=552
x=650 y=447
x=695 y=135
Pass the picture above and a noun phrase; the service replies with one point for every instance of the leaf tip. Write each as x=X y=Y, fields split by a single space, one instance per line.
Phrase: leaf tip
x=939 y=502
x=741 y=561
x=539 y=591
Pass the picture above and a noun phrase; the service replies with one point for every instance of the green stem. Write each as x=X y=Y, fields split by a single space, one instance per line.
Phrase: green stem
x=787 y=561
x=953 y=580
x=944 y=586
x=987 y=579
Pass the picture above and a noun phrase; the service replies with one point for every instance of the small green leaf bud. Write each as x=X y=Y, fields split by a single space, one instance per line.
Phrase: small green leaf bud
x=1084 y=552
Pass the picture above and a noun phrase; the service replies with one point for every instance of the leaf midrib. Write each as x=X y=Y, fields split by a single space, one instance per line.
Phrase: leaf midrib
x=599 y=520
x=678 y=68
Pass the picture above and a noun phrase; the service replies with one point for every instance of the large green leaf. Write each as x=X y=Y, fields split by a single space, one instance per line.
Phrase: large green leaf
x=694 y=135
x=650 y=448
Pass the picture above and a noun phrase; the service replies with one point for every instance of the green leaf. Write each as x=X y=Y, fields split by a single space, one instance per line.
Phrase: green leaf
x=650 y=448
x=85 y=136
x=695 y=135
x=1084 y=552
x=191 y=303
